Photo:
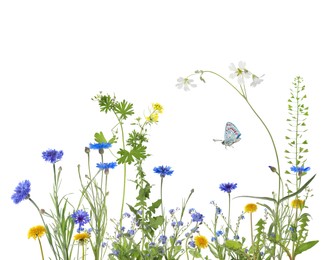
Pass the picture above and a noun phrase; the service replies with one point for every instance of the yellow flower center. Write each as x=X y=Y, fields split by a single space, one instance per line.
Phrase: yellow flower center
x=201 y=241
x=250 y=208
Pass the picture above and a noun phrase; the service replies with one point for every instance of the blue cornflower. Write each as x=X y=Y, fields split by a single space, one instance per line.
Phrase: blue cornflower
x=178 y=242
x=179 y=223
x=163 y=170
x=236 y=237
x=21 y=192
x=172 y=211
x=197 y=217
x=213 y=239
x=300 y=170
x=163 y=239
x=52 y=155
x=104 y=244
x=173 y=223
x=218 y=210
x=104 y=166
x=98 y=146
x=80 y=217
x=227 y=187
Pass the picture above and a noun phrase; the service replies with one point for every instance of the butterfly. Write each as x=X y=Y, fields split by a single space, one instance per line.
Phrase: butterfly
x=231 y=135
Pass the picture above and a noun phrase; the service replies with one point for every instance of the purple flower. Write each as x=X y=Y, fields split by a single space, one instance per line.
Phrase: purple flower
x=21 y=192
x=227 y=187
x=163 y=239
x=130 y=232
x=197 y=217
x=52 y=155
x=219 y=233
x=192 y=244
x=163 y=170
x=80 y=217
x=126 y=215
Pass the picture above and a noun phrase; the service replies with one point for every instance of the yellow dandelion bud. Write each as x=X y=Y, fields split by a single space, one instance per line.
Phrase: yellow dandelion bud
x=37 y=231
x=157 y=107
x=297 y=204
x=153 y=118
x=82 y=237
x=250 y=208
x=201 y=241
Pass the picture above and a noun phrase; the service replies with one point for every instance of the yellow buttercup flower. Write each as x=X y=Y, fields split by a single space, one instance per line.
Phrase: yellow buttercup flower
x=153 y=118
x=201 y=241
x=36 y=232
x=157 y=107
x=82 y=237
x=250 y=208
x=297 y=204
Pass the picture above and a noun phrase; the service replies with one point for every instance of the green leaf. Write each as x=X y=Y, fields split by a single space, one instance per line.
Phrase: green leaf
x=137 y=153
x=124 y=109
x=256 y=197
x=155 y=222
x=155 y=205
x=100 y=138
x=305 y=246
x=233 y=245
x=299 y=190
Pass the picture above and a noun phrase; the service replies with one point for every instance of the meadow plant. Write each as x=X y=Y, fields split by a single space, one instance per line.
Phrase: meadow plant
x=144 y=229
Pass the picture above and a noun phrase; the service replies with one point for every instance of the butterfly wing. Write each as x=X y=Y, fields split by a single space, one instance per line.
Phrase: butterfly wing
x=231 y=135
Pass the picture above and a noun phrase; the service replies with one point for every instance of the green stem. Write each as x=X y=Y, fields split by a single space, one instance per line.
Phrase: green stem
x=41 y=248
x=251 y=226
x=83 y=251
x=49 y=236
x=274 y=147
x=162 y=210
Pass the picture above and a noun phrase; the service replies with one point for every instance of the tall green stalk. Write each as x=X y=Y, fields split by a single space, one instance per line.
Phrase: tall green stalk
x=243 y=94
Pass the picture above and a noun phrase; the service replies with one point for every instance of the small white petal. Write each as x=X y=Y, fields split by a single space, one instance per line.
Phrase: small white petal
x=232 y=67
x=233 y=75
x=180 y=79
x=242 y=65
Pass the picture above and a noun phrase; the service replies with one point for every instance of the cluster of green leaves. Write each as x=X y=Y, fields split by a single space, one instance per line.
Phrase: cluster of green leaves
x=298 y=114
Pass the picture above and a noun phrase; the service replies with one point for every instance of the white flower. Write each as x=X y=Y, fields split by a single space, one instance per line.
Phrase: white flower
x=256 y=80
x=185 y=83
x=241 y=72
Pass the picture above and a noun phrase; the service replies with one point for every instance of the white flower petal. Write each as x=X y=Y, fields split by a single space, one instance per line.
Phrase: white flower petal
x=232 y=67
x=242 y=65
x=180 y=79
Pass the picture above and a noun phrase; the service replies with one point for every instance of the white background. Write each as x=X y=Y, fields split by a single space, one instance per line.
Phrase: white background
x=55 y=56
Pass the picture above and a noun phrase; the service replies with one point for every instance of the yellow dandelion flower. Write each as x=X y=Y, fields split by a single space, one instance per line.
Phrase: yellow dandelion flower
x=153 y=118
x=201 y=241
x=37 y=231
x=250 y=208
x=157 y=107
x=82 y=237
x=297 y=204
